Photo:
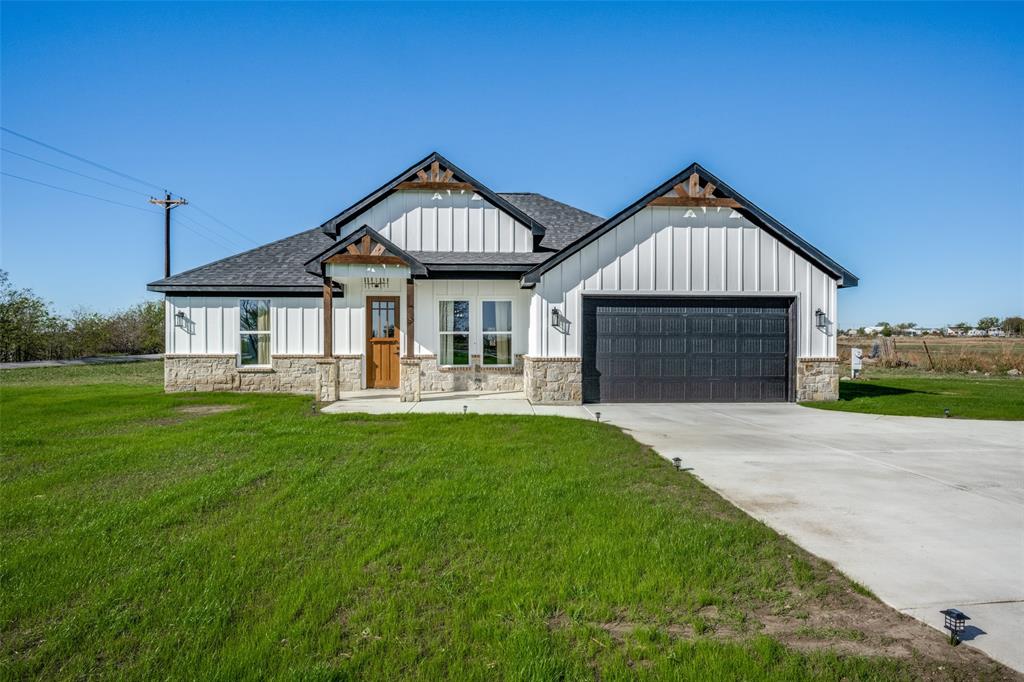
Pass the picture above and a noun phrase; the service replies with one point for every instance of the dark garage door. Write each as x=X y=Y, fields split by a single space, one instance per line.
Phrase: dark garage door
x=686 y=350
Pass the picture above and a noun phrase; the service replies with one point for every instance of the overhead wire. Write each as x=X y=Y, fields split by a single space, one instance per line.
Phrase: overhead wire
x=82 y=159
x=116 y=203
x=223 y=239
x=73 y=172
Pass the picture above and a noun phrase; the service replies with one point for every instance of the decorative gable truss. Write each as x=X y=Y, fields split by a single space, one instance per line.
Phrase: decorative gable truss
x=438 y=174
x=436 y=177
x=692 y=193
x=365 y=246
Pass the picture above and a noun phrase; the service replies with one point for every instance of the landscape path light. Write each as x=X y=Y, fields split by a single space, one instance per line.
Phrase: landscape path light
x=956 y=623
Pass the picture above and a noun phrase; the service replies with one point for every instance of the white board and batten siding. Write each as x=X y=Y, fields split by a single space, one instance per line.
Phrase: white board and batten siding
x=678 y=250
x=296 y=325
x=445 y=220
x=429 y=294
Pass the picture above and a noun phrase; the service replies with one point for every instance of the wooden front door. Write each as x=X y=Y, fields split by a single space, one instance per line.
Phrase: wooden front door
x=382 y=344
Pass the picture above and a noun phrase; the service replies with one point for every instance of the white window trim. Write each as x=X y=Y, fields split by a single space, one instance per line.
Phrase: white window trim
x=440 y=332
x=269 y=333
x=510 y=333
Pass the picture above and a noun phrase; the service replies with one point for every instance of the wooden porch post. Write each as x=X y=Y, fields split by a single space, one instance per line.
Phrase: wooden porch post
x=410 y=328
x=328 y=318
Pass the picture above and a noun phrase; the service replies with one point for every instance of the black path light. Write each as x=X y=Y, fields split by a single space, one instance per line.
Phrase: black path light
x=678 y=463
x=955 y=622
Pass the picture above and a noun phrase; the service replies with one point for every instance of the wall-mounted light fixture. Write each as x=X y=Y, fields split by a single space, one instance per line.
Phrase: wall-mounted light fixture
x=559 y=321
x=180 y=321
x=821 y=320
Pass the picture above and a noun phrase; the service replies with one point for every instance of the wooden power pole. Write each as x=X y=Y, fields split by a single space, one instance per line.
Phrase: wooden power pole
x=168 y=203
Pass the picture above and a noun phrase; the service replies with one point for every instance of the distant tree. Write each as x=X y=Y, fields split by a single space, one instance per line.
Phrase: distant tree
x=25 y=323
x=962 y=326
x=860 y=331
x=904 y=326
x=1014 y=325
x=987 y=323
x=882 y=324
x=886 y=330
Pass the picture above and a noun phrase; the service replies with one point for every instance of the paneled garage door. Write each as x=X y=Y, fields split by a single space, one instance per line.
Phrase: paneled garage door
x=686 y=350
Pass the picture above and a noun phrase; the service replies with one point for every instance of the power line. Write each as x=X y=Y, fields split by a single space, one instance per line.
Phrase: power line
x=73 y=172
x=116 y=203
x=82 y=194
x=214 y=237
x=81 y=158
x=223 y=238
x=218 y=220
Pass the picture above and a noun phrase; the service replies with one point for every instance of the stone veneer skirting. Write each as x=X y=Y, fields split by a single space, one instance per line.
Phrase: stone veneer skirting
x=553 y=381
x=817 y=379
x=423 y=374
x=304 y=374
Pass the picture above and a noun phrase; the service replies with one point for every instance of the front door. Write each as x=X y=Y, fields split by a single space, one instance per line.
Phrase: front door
x=382 y=343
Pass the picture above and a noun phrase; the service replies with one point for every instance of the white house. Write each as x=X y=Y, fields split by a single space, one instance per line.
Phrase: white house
x=434 y=282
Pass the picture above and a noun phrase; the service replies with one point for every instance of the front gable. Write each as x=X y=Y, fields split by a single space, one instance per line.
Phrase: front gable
x=360 y=254
x=694 y=191
x=435 y=206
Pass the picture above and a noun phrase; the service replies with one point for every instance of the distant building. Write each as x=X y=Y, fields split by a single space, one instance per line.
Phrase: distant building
x=977 y=332
x=872 y=330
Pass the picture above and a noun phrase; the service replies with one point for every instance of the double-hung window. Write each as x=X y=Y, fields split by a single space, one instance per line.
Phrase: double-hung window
x=497 y=332
x=254 y=329
x=454 y=328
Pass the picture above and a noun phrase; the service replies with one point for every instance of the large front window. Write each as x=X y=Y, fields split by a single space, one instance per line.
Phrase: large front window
x=497 y=332
x=254 y=329
x=454 y=328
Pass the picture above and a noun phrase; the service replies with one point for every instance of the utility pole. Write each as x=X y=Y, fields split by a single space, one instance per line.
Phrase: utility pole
x=168 y=203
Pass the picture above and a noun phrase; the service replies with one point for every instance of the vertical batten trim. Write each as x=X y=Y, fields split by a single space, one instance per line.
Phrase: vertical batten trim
x=775 y=264
x=725 y=256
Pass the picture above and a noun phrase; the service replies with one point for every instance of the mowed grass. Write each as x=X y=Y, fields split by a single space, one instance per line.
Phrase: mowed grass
x=154 y=536
x=924 y=395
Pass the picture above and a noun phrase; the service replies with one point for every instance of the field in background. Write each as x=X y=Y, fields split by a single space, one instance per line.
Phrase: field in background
x=948 y=354
x=234 y=536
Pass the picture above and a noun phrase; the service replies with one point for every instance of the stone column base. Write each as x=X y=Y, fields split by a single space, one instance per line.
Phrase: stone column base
x=410 y=381
x=817 y=379
x=553 y=381
x=327 y=379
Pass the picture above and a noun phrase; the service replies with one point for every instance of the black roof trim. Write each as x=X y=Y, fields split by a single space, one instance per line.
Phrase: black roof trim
x=332 y=226
x=226 y=289
x=314 y=265
x=759 y=216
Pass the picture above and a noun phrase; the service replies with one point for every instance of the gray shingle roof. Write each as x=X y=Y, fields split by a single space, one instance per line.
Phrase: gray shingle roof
x=277 y=264
x=565 y=223
x=429 y=258
x=281 y=264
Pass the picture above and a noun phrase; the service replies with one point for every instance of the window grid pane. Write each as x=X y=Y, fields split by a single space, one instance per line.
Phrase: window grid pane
x=497 y=349
x=454 y=349
x=497 y=316
x=254 y=315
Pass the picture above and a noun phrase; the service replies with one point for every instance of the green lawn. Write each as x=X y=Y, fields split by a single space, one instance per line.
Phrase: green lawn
x=923 y=395
x=229 y=536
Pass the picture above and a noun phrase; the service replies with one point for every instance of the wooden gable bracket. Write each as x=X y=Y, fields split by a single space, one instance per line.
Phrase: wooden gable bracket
x=366 y=252
x=691 y=194
x=434 y=178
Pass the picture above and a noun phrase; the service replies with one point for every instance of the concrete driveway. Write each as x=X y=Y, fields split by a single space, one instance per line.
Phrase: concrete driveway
x=927 y=513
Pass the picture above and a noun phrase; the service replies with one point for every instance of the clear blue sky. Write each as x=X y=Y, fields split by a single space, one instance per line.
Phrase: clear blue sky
x=890 y=136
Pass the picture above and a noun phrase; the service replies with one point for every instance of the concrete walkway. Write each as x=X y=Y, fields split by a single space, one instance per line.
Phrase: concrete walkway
x=387 y=402
x=99 y=360
x=927 y=513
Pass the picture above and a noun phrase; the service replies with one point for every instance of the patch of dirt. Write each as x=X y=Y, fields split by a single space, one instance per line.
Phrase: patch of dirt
x=842 y=621
x=201 y=410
